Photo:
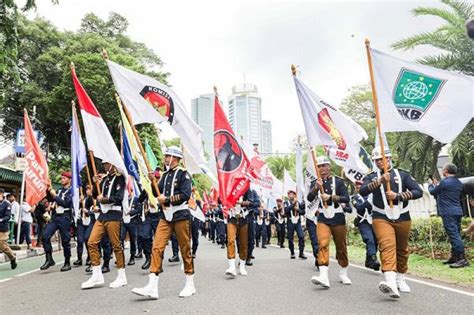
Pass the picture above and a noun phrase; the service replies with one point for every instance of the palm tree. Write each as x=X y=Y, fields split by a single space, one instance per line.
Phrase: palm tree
x=419 y=152
x=278 y=164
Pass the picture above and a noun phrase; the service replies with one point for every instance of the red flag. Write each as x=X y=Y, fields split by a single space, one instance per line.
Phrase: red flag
x=231 y=162
x=36 y=171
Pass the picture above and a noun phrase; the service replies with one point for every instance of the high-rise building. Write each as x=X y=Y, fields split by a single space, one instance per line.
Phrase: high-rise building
x=266 y=147
x=202 y=112
x=245 y=113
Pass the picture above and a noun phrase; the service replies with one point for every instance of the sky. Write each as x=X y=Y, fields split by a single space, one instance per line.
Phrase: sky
x=206 y=43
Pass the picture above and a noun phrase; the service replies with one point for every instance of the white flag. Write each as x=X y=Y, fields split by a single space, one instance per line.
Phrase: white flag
x=326 y=125
x=299 y=174
x=150 y=101
x=414 y=97
x=288 y=183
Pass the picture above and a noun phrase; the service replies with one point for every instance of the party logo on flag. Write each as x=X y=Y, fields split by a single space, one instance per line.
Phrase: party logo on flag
x=328 y=125
x=228 y=153
x=414 y=93
x=160 y=100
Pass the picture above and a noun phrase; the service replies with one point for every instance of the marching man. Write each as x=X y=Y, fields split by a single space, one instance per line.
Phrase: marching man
x=175 y=187
x=331 y=221
x=109 y=221
x=391 y=224
x=293 y=211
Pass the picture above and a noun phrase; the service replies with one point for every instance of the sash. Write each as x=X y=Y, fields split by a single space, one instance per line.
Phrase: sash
x=391 y=213
x=170 y=211
x=330 y=211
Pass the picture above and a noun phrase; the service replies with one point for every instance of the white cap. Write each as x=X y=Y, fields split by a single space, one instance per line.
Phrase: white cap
x=174 y=151
x=321 y=160
x=377 y=153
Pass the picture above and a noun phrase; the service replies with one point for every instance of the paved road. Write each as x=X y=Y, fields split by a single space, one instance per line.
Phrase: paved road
x=275 y=284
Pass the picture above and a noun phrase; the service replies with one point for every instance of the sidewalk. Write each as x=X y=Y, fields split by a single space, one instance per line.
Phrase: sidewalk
x=23 y=252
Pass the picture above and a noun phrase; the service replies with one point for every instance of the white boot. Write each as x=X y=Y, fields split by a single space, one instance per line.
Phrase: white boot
x=188 y=289
x=242 y=270
x=401 y=283
x=151 y=289
x=389 y=286
x=323 y=278
x=121 y=279
x=96 y=280
x=343 y=276
x=231 y=270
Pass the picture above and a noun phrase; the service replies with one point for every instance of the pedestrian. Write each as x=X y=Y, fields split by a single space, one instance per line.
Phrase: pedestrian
x=26 y=222
x=391 y=223
x=448 y=197
x=5 y=215
x=175 y=187
x=60 y=220
x=331 y=221
x=110 y=198
x=363 y=222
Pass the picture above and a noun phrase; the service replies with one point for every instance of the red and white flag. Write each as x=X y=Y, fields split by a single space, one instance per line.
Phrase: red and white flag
x=36 y=171
x=99 y=140
x=233 y=166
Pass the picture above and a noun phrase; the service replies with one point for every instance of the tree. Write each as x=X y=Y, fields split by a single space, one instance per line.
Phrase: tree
x=44 y=58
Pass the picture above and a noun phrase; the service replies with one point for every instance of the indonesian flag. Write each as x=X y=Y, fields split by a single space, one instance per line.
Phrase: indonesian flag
x=98 y=137
x=36 y=171
x=232 y=164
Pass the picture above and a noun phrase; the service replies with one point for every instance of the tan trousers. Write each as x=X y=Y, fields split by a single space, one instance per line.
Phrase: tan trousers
x=112 y=228
x=338 y=233
x=392 y=238
x=232 y=230
x=4 y=245
x=162 y=236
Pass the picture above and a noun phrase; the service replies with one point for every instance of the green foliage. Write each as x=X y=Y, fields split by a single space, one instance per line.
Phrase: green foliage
x=202 y=183
x=44 y=59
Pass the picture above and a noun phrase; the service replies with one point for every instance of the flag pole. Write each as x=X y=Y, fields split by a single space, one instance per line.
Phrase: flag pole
x=139 y=142
x=377 y=114
x=313 y=150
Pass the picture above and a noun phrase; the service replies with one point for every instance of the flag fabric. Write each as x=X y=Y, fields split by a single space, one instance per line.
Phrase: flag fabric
x=326 y=125
x=98 y=137
x=288 y=183
x=78 y=162
x=415 y=97
x=150 y=101
x=130 y=164
x=309 y=177
x=36 y=171
x=233 y=166
x=137 y=157
x=299 y=174
x=151 y=156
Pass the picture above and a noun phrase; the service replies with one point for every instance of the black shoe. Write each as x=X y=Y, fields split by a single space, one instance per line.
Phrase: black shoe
x=139 y=255
x=257 y=245
x=373 y=263
x=88 y=261
x=13 y=263
x=77 y=263
x=194 y=256
x=88 y=270
x=248 y=262
x=213 y=241
x=461 y=262
x=282 y=246
x=263 y=246
x=222 y=246
x=174 y=259
x=105 y=266
x=131 y=262
x=302 y=256
x=292 y=256
x=316 y=264
x=66 y=266
x=146 y=264
x=451 y=260
x=252 y=257
x=49 y=262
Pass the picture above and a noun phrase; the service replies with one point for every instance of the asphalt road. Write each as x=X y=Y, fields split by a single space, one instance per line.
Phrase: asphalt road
x=275 y=284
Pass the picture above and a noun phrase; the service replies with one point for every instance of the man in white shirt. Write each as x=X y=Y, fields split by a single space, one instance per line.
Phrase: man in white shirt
x=26 y=221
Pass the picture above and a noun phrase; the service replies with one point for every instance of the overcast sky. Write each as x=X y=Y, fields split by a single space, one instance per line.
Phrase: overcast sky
x=206 y=43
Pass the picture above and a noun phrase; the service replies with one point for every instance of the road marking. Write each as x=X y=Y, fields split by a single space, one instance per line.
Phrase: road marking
x=439 y=286
x=5 y=280
x=26 y=273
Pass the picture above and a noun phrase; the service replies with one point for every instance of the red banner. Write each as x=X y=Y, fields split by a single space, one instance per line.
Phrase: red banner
x=232 y=164
x=36 y=171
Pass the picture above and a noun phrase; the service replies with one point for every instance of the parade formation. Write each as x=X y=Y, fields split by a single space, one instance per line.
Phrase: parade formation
x=112 y=195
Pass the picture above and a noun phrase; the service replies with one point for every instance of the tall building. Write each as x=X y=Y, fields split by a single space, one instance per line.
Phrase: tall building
x=245 y=113
x=266 y=147
x=202 y=112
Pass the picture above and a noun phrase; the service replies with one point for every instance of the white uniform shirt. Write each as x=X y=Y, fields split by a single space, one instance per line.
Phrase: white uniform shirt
x=25 y=213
